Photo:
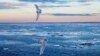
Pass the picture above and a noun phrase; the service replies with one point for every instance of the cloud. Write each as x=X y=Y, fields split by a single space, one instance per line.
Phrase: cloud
x=84 y=0
x=4 y=5
x=51 y=6
x=7 y=5
x=61 y=1
x=39 y=0
x=62 y=14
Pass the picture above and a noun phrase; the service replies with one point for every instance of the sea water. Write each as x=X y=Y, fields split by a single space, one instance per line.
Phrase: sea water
x=64 y=39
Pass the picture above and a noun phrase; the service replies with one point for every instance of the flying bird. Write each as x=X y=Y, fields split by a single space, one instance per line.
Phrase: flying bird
x=38 y=11
x=43 y=43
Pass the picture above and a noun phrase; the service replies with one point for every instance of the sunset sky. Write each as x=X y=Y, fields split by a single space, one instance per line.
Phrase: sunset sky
x=52 y=10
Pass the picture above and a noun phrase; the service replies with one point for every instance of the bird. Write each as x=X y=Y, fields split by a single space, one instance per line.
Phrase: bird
x=43 y=43
x=38 y=12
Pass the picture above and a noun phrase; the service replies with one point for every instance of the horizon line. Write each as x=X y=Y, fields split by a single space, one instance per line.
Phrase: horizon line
x=41 y=22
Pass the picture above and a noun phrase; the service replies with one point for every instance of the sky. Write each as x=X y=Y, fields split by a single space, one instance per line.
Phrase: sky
x=52 y=10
